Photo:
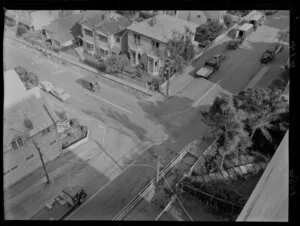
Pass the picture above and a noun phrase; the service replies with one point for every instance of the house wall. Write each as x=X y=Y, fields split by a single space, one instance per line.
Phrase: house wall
x=48 y=147
x=146 y=47
x=124 y=42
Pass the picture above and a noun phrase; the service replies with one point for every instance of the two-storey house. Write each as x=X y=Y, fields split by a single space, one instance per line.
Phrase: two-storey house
x=26 y=119
x=150 y=38
x=104 y=33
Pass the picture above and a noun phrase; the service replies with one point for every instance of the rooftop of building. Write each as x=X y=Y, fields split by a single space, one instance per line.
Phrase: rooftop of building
x=161 y=27
x=30 y=107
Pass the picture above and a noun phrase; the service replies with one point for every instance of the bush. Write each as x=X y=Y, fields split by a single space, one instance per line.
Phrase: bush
x=21 y=30
x=227 y=20
x=33 y=79
x=74 y=122
x=95 y=64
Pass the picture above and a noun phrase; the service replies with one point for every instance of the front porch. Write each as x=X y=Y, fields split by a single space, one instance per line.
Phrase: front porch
x=152 y=63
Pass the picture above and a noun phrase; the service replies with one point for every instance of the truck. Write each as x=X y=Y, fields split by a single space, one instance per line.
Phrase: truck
x=210 y=66
x=66 y=201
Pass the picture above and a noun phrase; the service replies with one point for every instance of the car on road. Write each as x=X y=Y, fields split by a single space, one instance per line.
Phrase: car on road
x=60 y=94
x=210 y=66
x=234 y=44
x=45 y=85
x=267 y=57
x=90 y=83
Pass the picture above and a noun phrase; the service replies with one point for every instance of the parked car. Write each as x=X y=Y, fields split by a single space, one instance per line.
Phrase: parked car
x=234 y=44
x=45 y=85
x=267 y=57
x=60 y=94
x=211 y=66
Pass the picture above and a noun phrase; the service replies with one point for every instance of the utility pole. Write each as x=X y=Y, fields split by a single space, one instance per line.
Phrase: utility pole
x=159 y=159
x=168 y=81
x=42 y=160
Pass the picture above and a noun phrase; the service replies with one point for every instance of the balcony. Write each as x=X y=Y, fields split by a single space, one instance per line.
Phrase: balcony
x=136 y=46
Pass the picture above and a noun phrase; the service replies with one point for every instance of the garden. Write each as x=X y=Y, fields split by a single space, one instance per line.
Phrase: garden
x=70 y=131
x=29 y=79
x=246 y=129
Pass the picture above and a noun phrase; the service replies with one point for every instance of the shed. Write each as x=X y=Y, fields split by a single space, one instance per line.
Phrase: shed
x=245 y=30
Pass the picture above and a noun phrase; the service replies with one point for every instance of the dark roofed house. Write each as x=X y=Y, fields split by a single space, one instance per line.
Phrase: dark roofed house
x=104 y=33
x=25 y=120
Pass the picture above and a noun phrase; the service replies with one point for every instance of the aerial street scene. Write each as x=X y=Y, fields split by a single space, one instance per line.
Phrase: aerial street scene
x=171 y=115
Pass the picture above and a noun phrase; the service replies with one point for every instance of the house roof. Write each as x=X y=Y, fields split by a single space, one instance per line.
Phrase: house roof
x=65 y=28
x=163 y=28
x=31 y=107
x=106 y=22
x=197 y=17
x=41 y=18
x=14 y=88
x=245 y=27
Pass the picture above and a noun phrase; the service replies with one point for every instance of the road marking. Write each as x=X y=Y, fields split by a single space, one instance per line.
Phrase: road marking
x=59 y=71
x=109 y=103
x=206 y=93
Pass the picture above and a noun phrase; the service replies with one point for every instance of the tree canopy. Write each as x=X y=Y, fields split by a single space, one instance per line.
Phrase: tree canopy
x=243 y=120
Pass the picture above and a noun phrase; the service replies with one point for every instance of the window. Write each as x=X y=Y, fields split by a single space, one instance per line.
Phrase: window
x=29 y=157
x=137 y=39
x=53 y=142
x=103 y=38
x=88 y=33
x=89 y=46
x=117 y=39
x=17 y=143
x=155 y=45
x=48 y=130
x=14 y=167
x=103 y=52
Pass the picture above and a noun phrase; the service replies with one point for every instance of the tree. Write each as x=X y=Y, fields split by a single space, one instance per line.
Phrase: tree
x=181 y=44
x=21 y=30
x=116 y=63
x=227 y=20
x=227 y=125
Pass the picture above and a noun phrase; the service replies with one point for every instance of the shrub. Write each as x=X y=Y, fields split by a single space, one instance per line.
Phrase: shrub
x=74 y=122
x=21 y=30
x=227 y=20
x=61 y=114
x=33 y=79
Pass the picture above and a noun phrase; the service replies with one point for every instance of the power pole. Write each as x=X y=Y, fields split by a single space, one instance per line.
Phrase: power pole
x=158 y=168
x=168 y=81
x=42 y=160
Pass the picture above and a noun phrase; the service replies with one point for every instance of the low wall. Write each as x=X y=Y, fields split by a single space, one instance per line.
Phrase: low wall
x=79 y=142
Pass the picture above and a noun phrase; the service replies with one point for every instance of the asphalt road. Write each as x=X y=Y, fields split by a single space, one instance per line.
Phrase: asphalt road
x=178 y=117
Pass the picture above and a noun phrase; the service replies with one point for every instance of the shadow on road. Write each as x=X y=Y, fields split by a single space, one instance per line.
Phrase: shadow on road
x=28 y=195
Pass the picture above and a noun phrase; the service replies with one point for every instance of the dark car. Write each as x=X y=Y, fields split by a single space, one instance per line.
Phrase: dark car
x=218 y=57
x=267 y=57
x=89 y=83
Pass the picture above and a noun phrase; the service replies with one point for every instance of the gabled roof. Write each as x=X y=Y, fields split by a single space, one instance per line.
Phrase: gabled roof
x=14 y=88
x=31 y=107
x=163 y=27
x=41 y=18
x=197 y=17
x=107 y=22
x=65 y=28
